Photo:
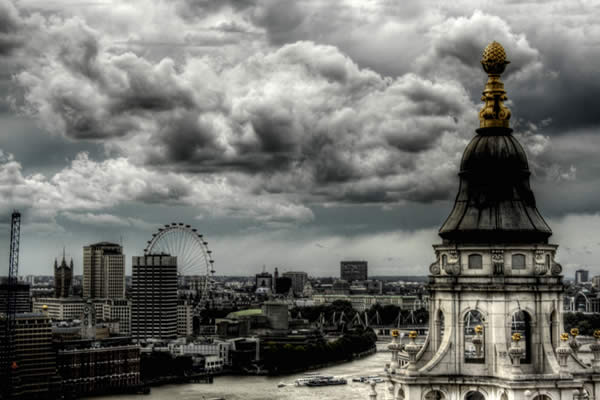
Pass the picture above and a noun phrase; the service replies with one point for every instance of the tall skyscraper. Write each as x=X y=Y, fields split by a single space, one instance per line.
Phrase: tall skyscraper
x=353 y=271
x=154 y=297
x=103 y=271
x=63 y=277
x=582 y=276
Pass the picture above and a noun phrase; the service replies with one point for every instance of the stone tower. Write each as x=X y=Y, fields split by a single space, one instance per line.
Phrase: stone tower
x=496 y=291
x=63 y=277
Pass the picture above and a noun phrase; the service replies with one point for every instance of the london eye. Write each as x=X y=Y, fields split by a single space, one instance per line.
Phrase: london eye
x=195 y=265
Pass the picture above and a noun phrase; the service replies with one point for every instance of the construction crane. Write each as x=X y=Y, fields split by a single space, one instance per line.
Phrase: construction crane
x=10 y=364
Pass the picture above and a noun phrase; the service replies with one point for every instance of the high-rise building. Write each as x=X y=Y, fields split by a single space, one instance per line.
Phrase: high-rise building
x=23 y=298
x=103 y=271
x=353 y=271
x=154 y=297
x=34 y=363
x=185 y=318
x=298 y=278
x=582 y=275
x=63 y=277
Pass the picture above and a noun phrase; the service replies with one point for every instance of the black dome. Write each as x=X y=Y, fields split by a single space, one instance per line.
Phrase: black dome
x=494 y=201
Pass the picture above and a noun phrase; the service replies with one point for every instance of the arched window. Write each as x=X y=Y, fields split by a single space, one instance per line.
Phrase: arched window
x=518 y=261
x=474 y=341
x=475 y=261
x=521 y=323
x=435 y=395
x=548 y=260
x=444 y=260
x=473 y=395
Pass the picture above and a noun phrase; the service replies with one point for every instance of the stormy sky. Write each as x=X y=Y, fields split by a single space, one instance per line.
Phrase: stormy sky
x=292 y=134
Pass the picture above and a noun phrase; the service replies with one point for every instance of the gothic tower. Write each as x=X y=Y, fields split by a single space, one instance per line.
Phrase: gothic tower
x=63 y=277
x=496 y=291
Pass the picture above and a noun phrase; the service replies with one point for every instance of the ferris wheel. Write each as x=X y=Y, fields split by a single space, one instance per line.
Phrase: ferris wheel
x=194 y=259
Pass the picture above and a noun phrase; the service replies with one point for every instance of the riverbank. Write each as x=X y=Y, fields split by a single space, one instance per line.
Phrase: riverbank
x=285 y=358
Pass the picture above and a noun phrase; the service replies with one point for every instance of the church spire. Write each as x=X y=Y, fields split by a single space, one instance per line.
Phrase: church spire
x=494 y=113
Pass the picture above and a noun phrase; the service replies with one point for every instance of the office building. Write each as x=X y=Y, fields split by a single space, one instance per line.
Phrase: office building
x=185 y=318
x=298 y=278
x=63 y=277
x=34 y=367
x=89 y=367
x=103 y=271
x=154 y=297
x=23 y=299
x=581 y=276
x=353 y=271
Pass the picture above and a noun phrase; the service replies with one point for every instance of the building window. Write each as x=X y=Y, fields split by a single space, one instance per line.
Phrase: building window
x=474 y=341
x=521 y=323
x=475 y=261
x=435 y=395
x=444 y=260
x=474 y=396
x=518 y=261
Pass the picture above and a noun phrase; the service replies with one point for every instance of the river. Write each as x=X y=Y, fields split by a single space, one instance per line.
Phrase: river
x=265 y=388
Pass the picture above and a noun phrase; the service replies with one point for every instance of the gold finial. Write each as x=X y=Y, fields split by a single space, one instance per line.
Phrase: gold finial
x=395 y=333
x=575 y=332
x=494 y=113
x=478 y=329
x=412 y=334
x=516 y=337
x=597 y=333
x=564 y=336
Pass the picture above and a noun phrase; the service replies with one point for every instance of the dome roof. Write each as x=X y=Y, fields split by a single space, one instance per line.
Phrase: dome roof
x=495 y=202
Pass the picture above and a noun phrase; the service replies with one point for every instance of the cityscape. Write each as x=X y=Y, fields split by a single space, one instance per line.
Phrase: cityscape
x=269 y=200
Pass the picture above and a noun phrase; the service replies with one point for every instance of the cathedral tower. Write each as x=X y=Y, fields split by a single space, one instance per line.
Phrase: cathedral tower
x=63 y=277
x=496 y=291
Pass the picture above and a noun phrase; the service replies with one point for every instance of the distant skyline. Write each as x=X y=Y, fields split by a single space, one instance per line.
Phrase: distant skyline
x=293 y=134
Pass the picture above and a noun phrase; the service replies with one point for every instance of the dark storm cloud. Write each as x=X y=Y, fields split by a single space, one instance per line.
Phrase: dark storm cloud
x=11 y=28
x=302 y=106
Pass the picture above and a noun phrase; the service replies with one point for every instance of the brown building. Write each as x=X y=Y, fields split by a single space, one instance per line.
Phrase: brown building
x=89 y=367
x=103 y=271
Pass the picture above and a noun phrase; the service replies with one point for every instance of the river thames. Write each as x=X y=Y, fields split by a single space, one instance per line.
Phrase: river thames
x=265 y=388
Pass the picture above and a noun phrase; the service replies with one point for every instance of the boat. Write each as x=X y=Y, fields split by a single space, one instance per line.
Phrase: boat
x=368 y=379
x=320 y=380
x=304 y=381
x=327 y=382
